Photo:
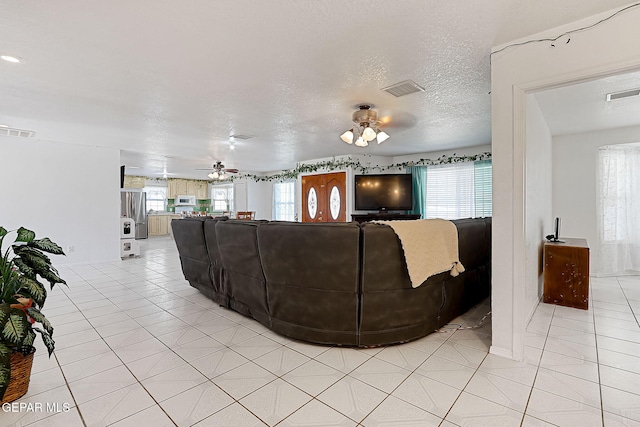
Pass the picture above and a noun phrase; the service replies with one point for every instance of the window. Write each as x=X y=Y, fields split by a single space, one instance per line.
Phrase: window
x=222 y=198
x=460 y=190
x=156 y=198
x=284 y=201
x=618 y=206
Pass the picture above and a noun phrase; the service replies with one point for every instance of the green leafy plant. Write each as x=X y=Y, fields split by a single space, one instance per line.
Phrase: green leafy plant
x=348 y=162
x=22 y=296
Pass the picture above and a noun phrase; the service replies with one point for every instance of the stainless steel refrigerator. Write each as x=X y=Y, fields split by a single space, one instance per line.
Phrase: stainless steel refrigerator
x=133 y=204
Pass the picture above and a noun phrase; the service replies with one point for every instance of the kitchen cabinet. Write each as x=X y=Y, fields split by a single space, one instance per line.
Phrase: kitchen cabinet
x=187 y=187
x=181 y=188
x=202 y=190
x=158 y=225
x=190 y=188
x=171 y=192
x=131 y=181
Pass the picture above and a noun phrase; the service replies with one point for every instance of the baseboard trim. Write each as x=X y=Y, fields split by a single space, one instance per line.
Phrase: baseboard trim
x=500 y=351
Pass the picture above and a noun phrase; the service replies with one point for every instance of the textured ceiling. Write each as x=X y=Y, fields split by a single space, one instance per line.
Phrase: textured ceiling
x=584 y=107
x=169 y=81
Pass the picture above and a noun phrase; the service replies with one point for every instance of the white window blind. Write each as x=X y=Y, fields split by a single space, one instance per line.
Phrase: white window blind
x=460 y=190
x=156 y=198
x=483 y=188
x=222 y=198
x=284 y=201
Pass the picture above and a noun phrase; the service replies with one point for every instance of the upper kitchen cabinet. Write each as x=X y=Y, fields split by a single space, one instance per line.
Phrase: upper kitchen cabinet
x=187 y=187
x=202 y=190
x=131 y=181
x=191 y=188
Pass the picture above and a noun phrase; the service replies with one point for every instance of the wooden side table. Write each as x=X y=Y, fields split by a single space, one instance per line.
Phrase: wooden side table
x=566 y=273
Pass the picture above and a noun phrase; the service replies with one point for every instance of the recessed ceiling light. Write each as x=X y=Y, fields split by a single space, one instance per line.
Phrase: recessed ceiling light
x=9 y=58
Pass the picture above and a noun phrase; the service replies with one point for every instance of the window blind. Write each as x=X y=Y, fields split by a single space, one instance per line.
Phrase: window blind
x=483 y=188
x=222 y=198
x=156 y=198
x=460 y=190
x=284 y=201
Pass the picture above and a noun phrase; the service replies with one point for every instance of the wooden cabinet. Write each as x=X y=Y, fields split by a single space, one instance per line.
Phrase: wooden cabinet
x=566 y=273
x=186 y=187
x=181 y=188
x=158 y=225
x=131 y=181
x=190 y=188
x=202 y=190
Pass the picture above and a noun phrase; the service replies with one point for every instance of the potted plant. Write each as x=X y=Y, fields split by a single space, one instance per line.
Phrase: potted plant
x=21 y=299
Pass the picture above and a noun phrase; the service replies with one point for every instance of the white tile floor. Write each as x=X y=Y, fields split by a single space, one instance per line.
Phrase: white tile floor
x=137 y=346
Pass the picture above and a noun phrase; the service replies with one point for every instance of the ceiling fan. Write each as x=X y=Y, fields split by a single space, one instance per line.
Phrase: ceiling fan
x=219 y=171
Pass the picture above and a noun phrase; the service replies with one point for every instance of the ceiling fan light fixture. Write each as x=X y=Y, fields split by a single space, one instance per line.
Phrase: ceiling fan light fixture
x=368 y=134
x=361 y=142
x=347 y=136
x=213 y=175
x=382 y=136
x=366 y=129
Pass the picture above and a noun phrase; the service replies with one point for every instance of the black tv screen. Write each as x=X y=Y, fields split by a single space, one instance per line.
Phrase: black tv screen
x=383 y=192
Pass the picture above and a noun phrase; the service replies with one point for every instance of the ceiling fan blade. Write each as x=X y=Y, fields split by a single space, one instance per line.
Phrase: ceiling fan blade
x=202 y=169
x=231 y=170
x=399 y=120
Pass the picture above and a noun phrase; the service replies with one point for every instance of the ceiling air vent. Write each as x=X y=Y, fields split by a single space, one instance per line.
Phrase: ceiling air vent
x=16 y=132
x=242 y=137
x=623 y=94
x=403 y=88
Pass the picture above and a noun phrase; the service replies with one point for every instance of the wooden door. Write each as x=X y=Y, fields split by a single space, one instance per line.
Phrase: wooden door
x=323 y=197
x=312 y=199
x=335 y=186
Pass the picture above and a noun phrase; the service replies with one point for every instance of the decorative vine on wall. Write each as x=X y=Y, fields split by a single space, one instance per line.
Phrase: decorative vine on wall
x=337 y=164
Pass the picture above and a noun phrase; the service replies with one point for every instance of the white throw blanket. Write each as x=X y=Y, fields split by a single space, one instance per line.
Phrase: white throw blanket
x=430 y=247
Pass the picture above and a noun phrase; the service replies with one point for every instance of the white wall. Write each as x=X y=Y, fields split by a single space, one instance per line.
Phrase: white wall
x=609 y=47
x=538 y=210
x=69 y=193
x=260 y=198
x=575 y=172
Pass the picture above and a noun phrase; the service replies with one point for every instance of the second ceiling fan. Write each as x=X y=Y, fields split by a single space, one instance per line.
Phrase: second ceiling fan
x=219 y=171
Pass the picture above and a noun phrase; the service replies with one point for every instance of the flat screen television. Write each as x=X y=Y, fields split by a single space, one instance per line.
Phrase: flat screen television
x=390 y=192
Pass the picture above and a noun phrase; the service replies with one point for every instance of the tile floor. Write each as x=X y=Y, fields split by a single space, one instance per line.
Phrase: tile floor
x=136 y=346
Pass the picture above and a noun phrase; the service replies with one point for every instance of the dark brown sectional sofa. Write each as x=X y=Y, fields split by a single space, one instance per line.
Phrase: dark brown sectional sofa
x=343 y=284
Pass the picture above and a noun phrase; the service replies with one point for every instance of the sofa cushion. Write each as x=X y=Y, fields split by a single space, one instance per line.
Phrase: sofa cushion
x=312 y=278
x=242 y=270
x=189 y=237
x=216 y=268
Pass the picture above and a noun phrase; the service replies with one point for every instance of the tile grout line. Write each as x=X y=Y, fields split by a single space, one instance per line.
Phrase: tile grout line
x=595 y=336
x=123 y=363
x=535 y=377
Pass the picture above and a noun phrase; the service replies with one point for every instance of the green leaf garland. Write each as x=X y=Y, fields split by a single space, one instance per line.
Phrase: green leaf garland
x=338 y=164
